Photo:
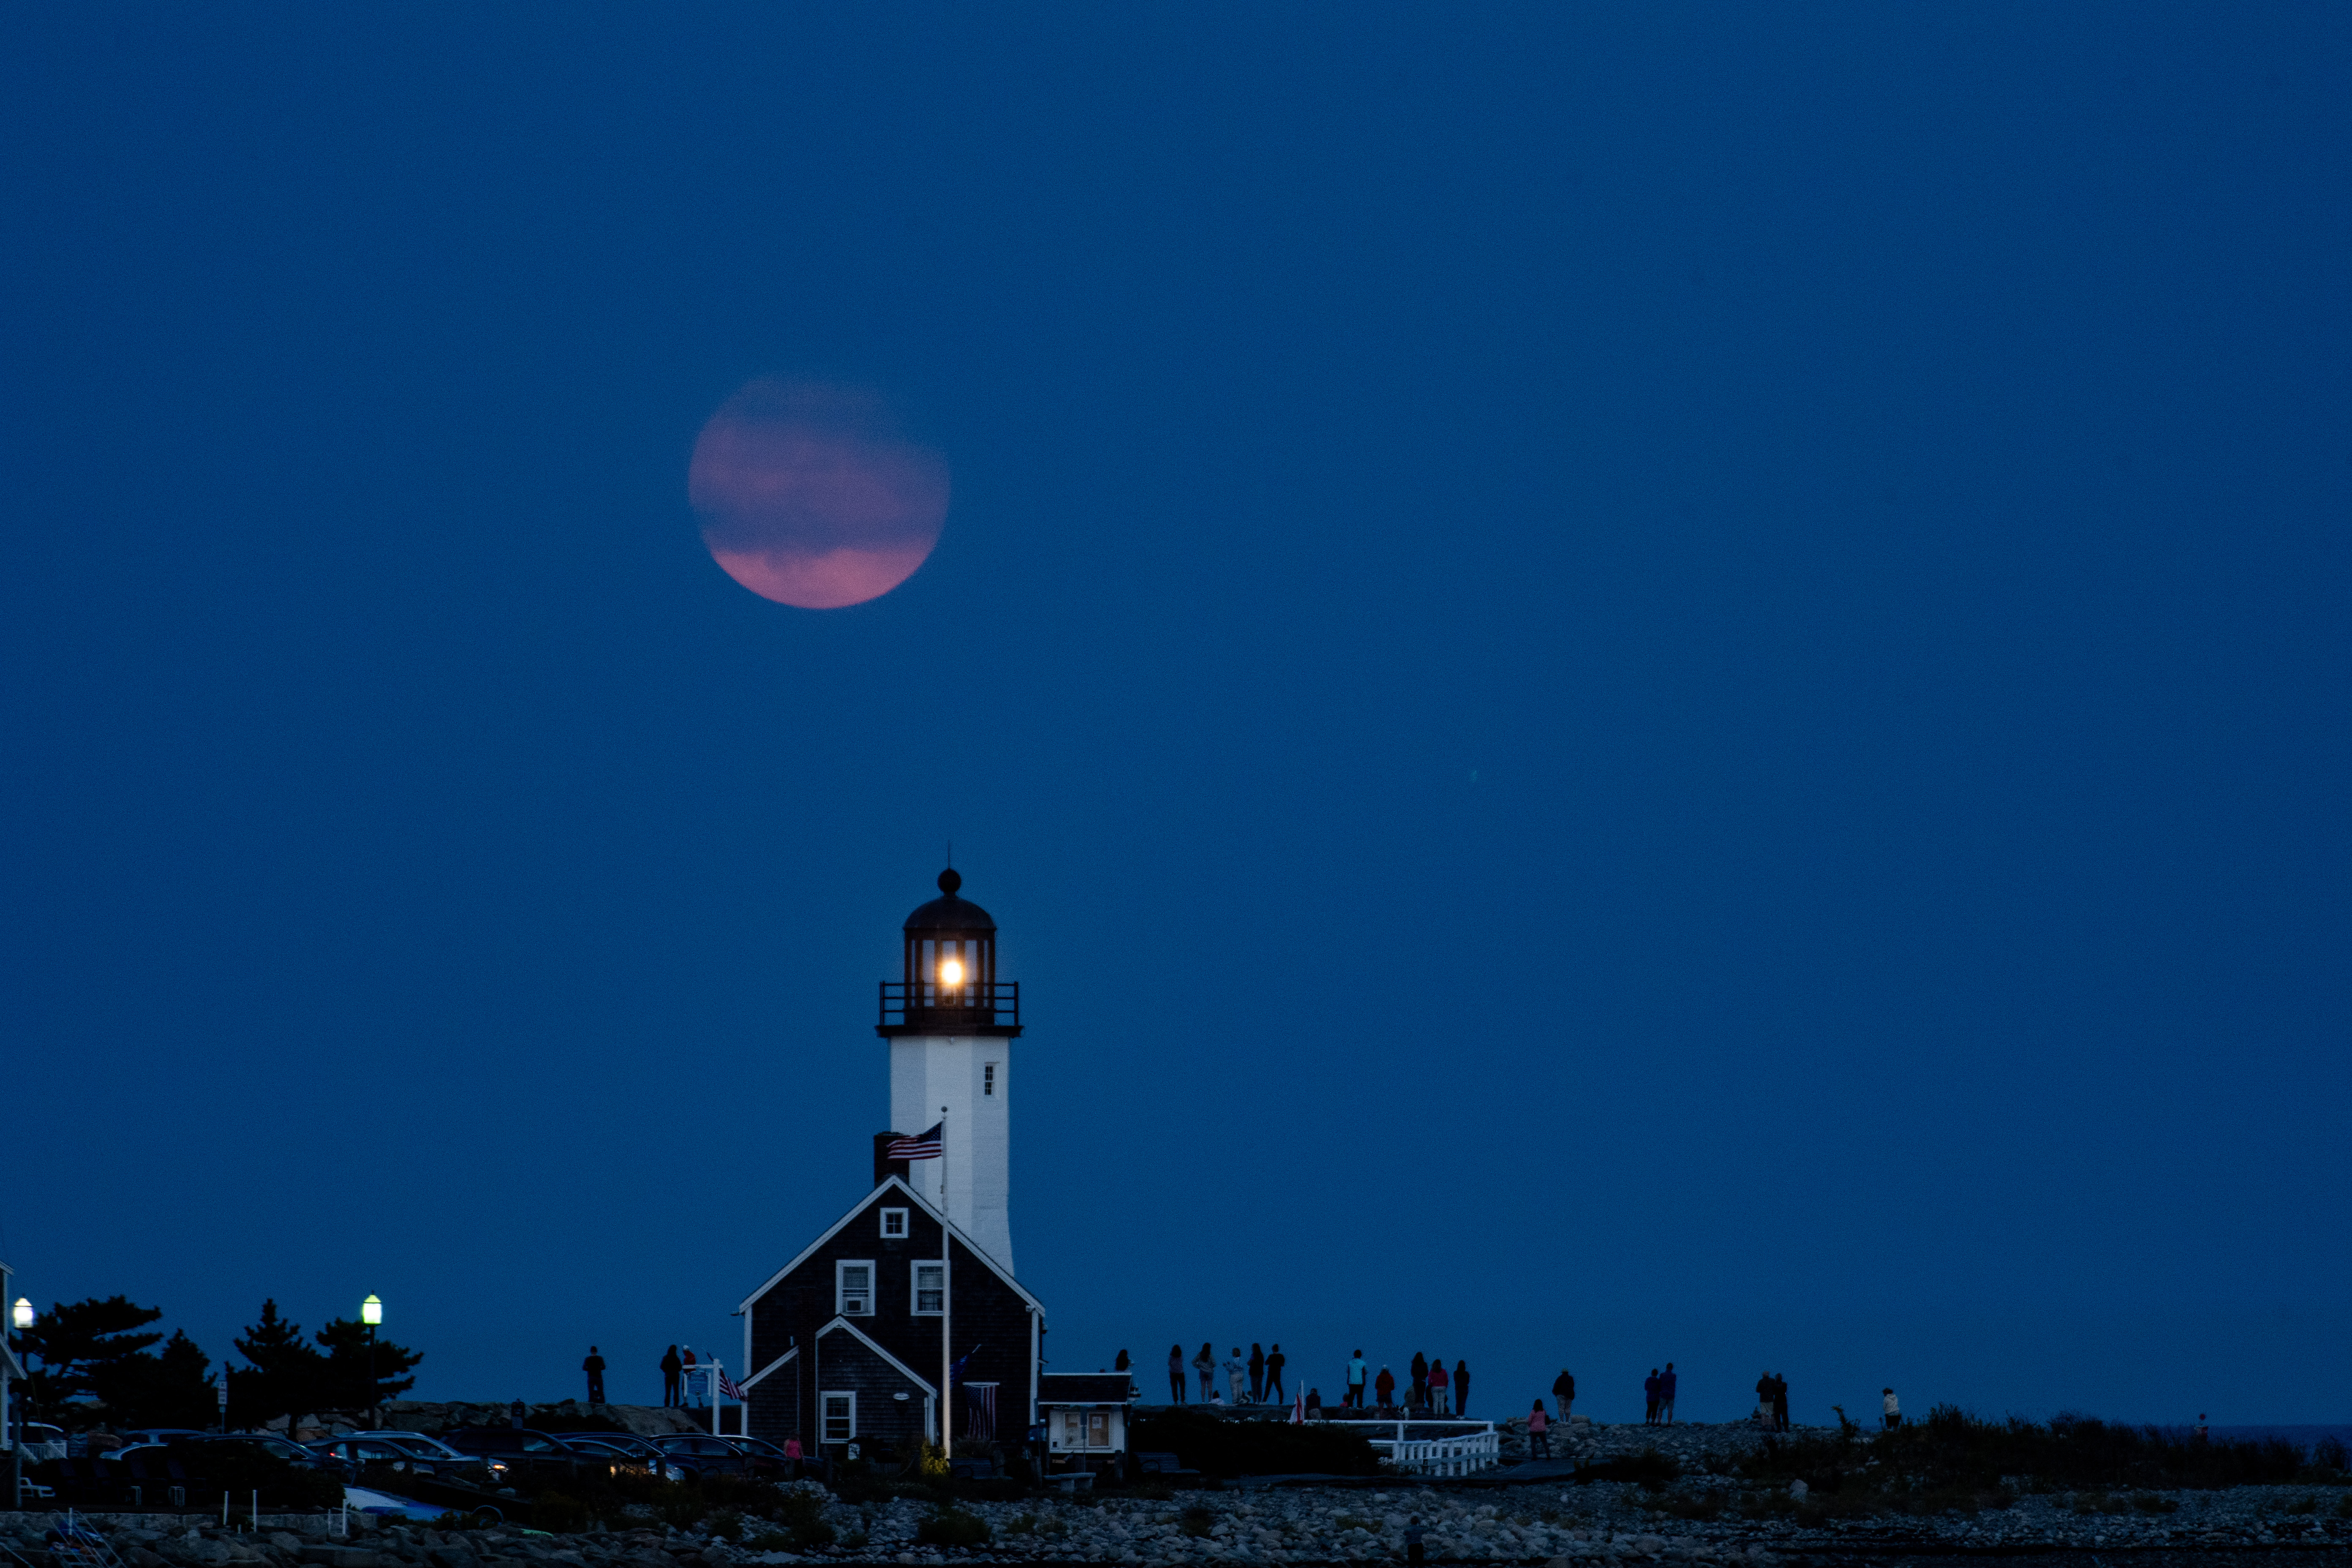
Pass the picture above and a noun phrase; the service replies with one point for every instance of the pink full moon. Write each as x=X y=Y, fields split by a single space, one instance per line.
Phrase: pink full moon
x=809 y=496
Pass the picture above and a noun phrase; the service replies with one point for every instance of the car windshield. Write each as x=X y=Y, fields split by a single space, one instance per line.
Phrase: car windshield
x=422 y=1447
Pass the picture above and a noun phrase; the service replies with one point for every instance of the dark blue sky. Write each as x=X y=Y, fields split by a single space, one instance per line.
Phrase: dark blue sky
x=1632 y=683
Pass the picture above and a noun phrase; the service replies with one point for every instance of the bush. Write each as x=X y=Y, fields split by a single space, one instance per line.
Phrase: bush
x=952 y=1527
x=1218 y=1448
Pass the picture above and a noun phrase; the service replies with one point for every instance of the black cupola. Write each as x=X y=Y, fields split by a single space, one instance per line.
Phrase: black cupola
x=951 y=985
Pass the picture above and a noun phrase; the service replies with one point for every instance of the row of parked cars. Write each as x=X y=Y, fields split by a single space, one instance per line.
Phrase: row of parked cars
x=491 y=1458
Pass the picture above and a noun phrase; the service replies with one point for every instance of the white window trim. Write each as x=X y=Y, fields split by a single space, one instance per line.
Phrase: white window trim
x=872 y=1282
x=899 y=1234
x=824 y=1418
x=915 y=1286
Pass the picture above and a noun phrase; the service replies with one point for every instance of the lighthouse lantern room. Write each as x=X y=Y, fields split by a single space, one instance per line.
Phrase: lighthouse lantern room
x=950 y=1023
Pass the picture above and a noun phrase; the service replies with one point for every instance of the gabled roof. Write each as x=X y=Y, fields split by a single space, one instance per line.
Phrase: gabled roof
x=890 y=1184
x=909 y=1372
x=754 y=1380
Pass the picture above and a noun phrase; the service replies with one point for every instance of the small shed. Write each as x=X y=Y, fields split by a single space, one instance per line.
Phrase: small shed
x=1084 y=1416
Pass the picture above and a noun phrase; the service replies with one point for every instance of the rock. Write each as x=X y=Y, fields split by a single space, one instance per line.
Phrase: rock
x=140 y=1557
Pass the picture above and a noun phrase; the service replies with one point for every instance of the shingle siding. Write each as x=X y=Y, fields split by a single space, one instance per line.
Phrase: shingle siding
x=987 y=1313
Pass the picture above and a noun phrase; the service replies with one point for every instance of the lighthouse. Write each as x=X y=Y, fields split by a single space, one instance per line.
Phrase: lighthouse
x=950 y=1023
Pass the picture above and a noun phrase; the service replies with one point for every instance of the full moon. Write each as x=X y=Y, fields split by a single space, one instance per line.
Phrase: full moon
x=808 y=494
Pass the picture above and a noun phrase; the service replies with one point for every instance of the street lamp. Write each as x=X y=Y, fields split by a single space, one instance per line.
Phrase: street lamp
x=22 y=1312
x=372 y=1314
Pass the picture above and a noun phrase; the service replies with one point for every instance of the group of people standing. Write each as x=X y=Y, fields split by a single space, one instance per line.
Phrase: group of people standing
x=1772 y=1401
x=1433 y=1390
x=1254 y=1379
x=1658 y=1395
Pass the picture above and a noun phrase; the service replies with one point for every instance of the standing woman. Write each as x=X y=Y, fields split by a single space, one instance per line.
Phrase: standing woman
x=1257 y=1374
x=1175 y=1374
x=1205 y=1364
x=1460 y=1388
x=1437 y=1385
x=1419 y=1393
x=1274 y=1360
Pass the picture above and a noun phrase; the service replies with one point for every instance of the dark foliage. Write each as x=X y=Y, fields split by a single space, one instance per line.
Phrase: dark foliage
x=85 y=1349
x=171 y=1388
x=286 y=1377
x=1219 y=1447
x=352 y=1378
x=1959 y=1460
x=952 y=1527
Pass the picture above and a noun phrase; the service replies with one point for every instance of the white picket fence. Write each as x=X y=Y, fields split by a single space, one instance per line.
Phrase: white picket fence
x=1435 y=1447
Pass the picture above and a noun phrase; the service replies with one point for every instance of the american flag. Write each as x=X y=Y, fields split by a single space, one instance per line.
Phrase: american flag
x=922 y=1146
x=730 y=1389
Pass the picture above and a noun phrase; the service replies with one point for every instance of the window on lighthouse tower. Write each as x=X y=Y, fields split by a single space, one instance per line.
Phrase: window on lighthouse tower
x=988 y=1079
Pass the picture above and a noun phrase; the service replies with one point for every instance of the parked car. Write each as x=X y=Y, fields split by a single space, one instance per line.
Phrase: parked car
x=625 y=1448
x=282 y=1448
x=695 y=1456
x=423 y=1445
x=142 y=1434
x=519 y=1453
x=767 y=1459
x=375 y=1451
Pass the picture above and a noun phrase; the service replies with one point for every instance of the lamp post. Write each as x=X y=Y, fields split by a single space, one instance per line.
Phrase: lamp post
x=372 y=1314
x=20 y=1318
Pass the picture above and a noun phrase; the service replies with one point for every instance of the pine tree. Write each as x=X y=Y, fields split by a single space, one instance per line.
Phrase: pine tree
x=286 y=1377
x=348 y=1385
x=83 y=1347
x=169 y=1389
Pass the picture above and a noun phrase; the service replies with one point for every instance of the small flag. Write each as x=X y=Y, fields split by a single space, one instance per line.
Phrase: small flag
x=922 y=1146
x=730 y=1389
x=1298 y=1408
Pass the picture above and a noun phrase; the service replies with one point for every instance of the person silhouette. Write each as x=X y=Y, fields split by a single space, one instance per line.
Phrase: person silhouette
x=670 y=1367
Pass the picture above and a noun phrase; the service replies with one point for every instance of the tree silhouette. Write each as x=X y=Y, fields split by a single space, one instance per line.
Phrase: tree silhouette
x=83 y=1347
x=287 y=1376
x=348 y=1385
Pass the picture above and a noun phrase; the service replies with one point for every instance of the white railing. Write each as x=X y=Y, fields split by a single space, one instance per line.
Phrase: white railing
x=1435 y=1447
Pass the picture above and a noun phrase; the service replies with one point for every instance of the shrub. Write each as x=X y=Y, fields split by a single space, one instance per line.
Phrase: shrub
x=560 y=1514
x=952 y=1527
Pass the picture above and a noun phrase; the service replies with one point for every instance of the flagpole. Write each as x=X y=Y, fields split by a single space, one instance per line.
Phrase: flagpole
x=947 y=1268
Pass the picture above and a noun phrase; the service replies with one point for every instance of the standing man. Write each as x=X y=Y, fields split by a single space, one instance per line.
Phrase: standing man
x=1563 y=1389
x=1890 y=1410
x=1650 y=1398
x=1257 y=1372
x=1461 y=1387
x=1780 y=1403
x=595 y=1367
x=1666 y=1395
x=1274 y=1360
x=1356 y=1370
x=670 y=1367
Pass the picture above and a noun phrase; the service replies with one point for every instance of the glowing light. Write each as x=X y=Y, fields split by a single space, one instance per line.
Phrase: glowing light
x=951 y=972
x=22 y=1313
x=371 y=1311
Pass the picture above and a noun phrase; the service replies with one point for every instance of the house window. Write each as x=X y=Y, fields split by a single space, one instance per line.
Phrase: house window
x=988 y=1079
x=894 y=1224
x=930 y=1289
x=840 y=1418
x=853 y=1288
x=1086 y=1429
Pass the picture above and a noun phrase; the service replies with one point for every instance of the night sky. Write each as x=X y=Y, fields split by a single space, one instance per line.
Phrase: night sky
x=1632 y=682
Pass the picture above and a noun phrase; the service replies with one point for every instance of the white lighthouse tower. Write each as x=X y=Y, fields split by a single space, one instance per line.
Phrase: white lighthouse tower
x=952 y=1024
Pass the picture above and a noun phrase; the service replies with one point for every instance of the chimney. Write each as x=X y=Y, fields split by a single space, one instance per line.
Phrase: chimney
x=884 y=1166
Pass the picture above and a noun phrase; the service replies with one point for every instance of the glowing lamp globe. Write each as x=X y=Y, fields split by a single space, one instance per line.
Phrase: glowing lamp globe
x=371 y=1311
x=22 y=1313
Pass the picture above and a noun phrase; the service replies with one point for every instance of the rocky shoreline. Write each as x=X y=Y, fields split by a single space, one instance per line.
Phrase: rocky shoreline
x=1529 y=1513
